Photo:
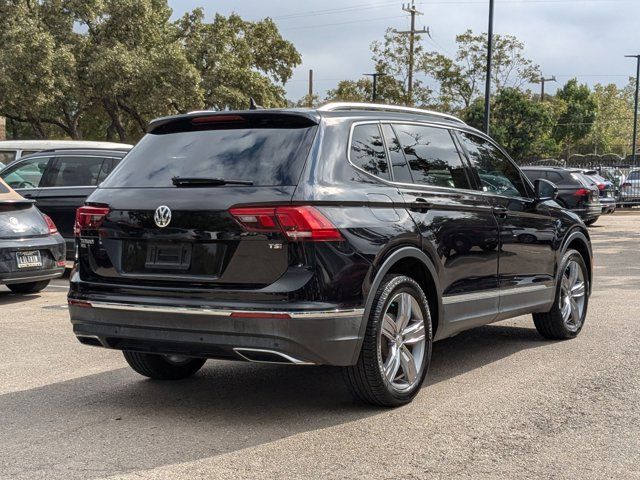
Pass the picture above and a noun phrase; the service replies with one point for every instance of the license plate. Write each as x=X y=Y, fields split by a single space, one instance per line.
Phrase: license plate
x=171 y=256
x=29 y=259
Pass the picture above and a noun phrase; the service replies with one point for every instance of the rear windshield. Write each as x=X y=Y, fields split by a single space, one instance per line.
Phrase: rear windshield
x=265 y=153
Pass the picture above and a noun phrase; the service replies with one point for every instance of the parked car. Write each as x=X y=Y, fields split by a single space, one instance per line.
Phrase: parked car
x=31 y=249
x=325 y=236
x=630 y=189
x=60 y=181
x=575 y=192
x=12 y=150
x=605 y=187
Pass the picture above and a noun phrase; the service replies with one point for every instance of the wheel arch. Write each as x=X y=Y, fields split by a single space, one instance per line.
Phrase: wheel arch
x=578 y=240
x=414 y=263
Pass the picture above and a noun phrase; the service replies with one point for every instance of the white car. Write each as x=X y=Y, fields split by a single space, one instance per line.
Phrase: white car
x=12 y=150
x=630 y=188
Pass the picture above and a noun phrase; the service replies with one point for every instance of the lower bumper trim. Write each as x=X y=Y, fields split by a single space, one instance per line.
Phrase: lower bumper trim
x=335 y=313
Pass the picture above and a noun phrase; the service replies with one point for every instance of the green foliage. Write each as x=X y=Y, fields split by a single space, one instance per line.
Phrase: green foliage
x=518 y=122
x=105 y=68
x=391 y=57
x=462 y=78
x=613 y=126
x=576 y=119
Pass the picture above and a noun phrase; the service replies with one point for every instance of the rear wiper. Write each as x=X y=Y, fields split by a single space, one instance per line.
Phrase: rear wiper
x=206 y=182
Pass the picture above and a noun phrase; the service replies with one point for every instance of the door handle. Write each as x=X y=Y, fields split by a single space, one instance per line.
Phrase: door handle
x=421 y=203
x=27 y=195
x=500 y=212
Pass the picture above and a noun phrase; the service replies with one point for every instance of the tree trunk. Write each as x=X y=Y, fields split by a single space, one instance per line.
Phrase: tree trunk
x=116 y=125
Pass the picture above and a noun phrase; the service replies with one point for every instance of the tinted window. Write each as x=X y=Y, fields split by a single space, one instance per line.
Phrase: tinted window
x=634 y=176
x=260 y=154
x=554 y=177
x=534 y=174
x=7 y=157
x=75 y=172
x=396 y=157
x=497 y=173
x=432 y=156
x=107 y=167
x=26 y=174
x=367 y=150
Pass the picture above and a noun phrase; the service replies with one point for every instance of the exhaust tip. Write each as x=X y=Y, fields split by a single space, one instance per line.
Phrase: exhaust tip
x=91 y=340
x=258 y=355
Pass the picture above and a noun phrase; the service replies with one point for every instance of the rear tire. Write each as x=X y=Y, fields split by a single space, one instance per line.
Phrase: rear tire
x=396 y=351
x=567 y=316
x=161 y=367
x=31 y=287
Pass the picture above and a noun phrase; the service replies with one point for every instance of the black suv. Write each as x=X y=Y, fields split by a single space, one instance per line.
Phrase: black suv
x=575 y=191
x=351 y=235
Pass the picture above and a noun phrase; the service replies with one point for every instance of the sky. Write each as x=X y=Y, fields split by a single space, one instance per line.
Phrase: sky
x=586 y=39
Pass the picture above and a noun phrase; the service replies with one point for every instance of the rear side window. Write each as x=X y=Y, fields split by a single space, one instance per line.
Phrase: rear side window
x=534 y=174
x=256 y=148
x=634 y=176
x=432 y=156
x=554 y=177
x=367 y=150
x=75 y=172
x=7 y=156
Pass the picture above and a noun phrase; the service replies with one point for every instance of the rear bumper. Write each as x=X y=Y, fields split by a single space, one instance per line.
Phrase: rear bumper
x=329 y=337
x=589 y=212
x=30 y=276
x=608 y=205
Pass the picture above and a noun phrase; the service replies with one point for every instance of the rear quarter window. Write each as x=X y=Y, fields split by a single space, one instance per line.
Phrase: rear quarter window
x=367 y=150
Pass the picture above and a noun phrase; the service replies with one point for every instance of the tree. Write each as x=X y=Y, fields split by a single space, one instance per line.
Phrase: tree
x=461 y=79
x=612 y=127
x=577 y=116
x=391 y=57
x=518 y=122
x=238 y=59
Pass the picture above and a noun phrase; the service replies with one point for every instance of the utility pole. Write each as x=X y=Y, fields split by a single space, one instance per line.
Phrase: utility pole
x=635 y=108
x=375 y=76
x=411 y=9
x=542 y=80
x=487 y=86
x=310 y=88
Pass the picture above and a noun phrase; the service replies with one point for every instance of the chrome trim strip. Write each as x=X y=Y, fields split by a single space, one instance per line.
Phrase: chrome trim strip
x=288 y=358
x=470 y=297
x=353 y=312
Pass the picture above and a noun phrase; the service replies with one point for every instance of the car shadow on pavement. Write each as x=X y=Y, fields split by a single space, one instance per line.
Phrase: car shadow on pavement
x=9 y=298
x=116 y=422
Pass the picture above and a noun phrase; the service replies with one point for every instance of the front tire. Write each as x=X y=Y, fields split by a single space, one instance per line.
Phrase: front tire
x=31 y=287
x=396 y=351
x=163 y=367
x=566 y=318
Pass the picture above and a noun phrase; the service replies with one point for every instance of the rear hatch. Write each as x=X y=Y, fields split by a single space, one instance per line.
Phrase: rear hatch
x=18 y=216
x=163 y=216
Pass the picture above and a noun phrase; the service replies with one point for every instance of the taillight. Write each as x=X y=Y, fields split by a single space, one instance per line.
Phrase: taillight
x=89 y=218
x=601 y=186
x=582 y=192
x=52 y=226
x=303 y=223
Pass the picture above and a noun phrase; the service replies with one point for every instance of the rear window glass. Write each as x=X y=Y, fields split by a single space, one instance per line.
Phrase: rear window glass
x=75 y=172
x=260 y=151
x=7 y=156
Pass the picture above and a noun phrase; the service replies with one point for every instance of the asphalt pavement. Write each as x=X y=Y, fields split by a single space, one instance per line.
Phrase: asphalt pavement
x=500 y=402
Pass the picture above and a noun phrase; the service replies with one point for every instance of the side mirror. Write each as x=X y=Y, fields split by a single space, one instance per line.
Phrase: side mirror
x=545 y=190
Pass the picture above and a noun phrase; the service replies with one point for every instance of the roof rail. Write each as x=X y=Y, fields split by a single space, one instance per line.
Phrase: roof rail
x=345 y=106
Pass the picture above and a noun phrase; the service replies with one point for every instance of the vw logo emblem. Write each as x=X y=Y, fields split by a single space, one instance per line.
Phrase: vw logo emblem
x=162 y=217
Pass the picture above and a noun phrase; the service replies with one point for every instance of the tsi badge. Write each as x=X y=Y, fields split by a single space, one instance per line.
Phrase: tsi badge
x=162 y=217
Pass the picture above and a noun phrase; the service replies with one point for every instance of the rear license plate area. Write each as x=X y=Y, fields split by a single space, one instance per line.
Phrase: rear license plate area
x=30 y=259
x=168 y=256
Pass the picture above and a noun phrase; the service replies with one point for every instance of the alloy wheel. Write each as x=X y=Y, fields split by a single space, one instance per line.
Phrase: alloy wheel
x=402 y=341
x=572 y=296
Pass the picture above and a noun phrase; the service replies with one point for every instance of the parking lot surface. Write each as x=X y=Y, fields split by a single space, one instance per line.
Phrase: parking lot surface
x=500 y=402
